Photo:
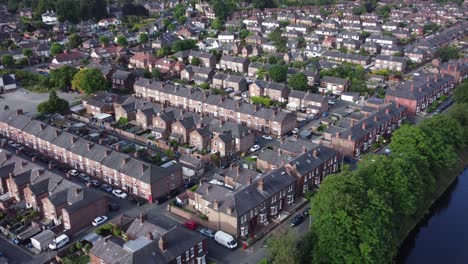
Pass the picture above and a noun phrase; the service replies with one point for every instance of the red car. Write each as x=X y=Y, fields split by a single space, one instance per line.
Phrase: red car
x=191 y=225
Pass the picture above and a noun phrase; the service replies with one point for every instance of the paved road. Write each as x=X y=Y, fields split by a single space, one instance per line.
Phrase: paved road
x=13 y=254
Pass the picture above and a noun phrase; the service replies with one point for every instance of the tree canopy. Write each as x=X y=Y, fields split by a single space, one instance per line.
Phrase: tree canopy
x=278 y=73
x=298 y=81
x=447 y=53
x=183 y=45
x=74 y=40
x=56 y=48
x=7 y=60
x=62 y=77
x=54 y=104
x=89 y=81
x=122 y=41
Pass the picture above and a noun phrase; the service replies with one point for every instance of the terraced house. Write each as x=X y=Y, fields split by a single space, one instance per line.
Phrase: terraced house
x=134 y=176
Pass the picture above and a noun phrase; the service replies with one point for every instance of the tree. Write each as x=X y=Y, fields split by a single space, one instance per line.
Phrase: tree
x=244 y=33
x=122 y=122
x=56 y=48
x=195 y=61
x=182 y=20
x=444 y=125
x=28 y=53
x=222 y=9
x=272 y=60
x=298 y=81
x=217 y=24
x=262 y=4
x=449 y=52
x=282 y=247
x=7 y=60
x=461 y=93
x=156 y=74
x=89 y=81
x=164 y=51
x=74 y=40
x=278 y=73
x=183 y=45
x=62 y=77
x=143 y=38
x=55 y=104
x=103 y=40
x=122 y=41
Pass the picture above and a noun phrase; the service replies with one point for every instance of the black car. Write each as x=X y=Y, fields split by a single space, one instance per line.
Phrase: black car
x=297 y=220
x=349 y=159
x=161 y=200
x=113 y=207
x=306 y=211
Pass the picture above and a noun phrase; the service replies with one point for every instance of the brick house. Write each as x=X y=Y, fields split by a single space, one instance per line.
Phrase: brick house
x=416 y=96
x=333 y=85
x=311 y=103
x=458 y=69
x=244 y=211
x=276 y=91
x=136 y=177
x=200 y=137
x=360 y=134
x=143 y=60
x=122 y=80
x=223 y=81
x=197 y=74
x=235 y=64
x=390 y=63
x=101 y=102
x=149 y=243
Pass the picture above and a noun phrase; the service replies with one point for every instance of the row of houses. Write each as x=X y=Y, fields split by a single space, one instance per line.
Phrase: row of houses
x=134 y=176
x=266 y=120
x=58 y=200
x=248 y=202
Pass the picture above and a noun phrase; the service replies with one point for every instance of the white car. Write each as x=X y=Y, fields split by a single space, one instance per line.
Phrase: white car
x=119 y=193
x=267 y=137
x=99 y=220
x=217 y=182
x=295 y=130
x=254 y=148
x=73 y=173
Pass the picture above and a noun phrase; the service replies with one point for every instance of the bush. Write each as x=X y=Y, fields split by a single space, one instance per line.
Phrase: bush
x=72 y=249
x=87 y=247
x=265 y=101
x=194 y=188
x=78 y=245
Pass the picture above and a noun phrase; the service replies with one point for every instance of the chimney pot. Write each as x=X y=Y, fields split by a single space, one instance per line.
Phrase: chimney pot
x=150 y=236
x=162 y=243
x=260 y=184
x=215 y=204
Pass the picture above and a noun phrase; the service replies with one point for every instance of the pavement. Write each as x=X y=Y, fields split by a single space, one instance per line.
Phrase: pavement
x=28 y=101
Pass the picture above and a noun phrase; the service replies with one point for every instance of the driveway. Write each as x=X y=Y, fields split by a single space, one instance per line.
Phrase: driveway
x=28 y=101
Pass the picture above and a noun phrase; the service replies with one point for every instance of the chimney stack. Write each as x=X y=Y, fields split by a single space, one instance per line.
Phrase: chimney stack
x=387 y=111
x=43 y=126
x=73 y=139
x=349 y=137
x=364 y=125
x=215 y=204
x=150 y=236
x=108 y=152
x=89 y=145
x=40 y=172
x=19 y=112
x=315 y=153
x=260 y=185
x=57 y=132
x=304 y=149
x=143 y=167
x=143 y=217
x=229 y=209
x=162 y=243
x=23 y=164
x=78 y=190
x=125 y=161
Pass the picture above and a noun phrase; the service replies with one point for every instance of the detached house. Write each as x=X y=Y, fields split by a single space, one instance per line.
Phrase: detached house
x=333 y=85
x=390 y=62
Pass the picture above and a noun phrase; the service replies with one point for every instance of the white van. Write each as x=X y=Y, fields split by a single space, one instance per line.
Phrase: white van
x=225 y=239
x=59 y=242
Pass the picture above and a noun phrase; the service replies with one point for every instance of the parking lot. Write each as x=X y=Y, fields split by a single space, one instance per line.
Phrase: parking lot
x=28 y=101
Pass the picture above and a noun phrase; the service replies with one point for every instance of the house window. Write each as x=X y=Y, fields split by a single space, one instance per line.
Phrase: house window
x=290 y=199
x=263 y=217
x=200 y=248
x=243 y=218
x=244 y=231
x=192 y=252
x=187 y=255
x=290 y=188
x=273 y=210
x=179 y=260
x=201 y=260
x=273 y=199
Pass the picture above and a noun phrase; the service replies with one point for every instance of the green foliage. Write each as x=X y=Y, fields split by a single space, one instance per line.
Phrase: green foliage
x=122 y=122
x=56 y=48
x=261 y=4
x=79 y=245
x=278 y=73
x=217 y=24
x=272 y=59
x=298 y=81
x=282 y=247
x=62 y=77
x=103 y=40
x=447 y=53
x=156 y=74
x=183 y=45
x=359 y=10
x=384 y=11
x=143 y=38
x=7 y=60
x=280 y=41
x=195 y=61
x=74 y=40
x=54 y=104
x=223 y=9
x=244 y=33
x=205 y=86
x=164 y=51
x=89 y=81
x=265 y=101
x=122 y=41
x=461 y=93
x=431 y=27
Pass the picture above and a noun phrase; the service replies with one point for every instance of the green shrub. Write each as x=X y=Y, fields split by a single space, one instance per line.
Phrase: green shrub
x=79 y=245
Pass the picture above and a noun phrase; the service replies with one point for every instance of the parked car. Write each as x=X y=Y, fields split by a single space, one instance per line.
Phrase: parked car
x=225 y=239
x=191 y=225
x=95 y=183
x=349 y=159
x=295 y=130
x=119 y=193
x=113 y=207
x=11 y=143
x=106 y=188
x=306 y=211
x=207 y=233
x=254 y=148
x=73 y=173
x=99 y=220
x=84 y=177
x=267 y=137
x=296 y=220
